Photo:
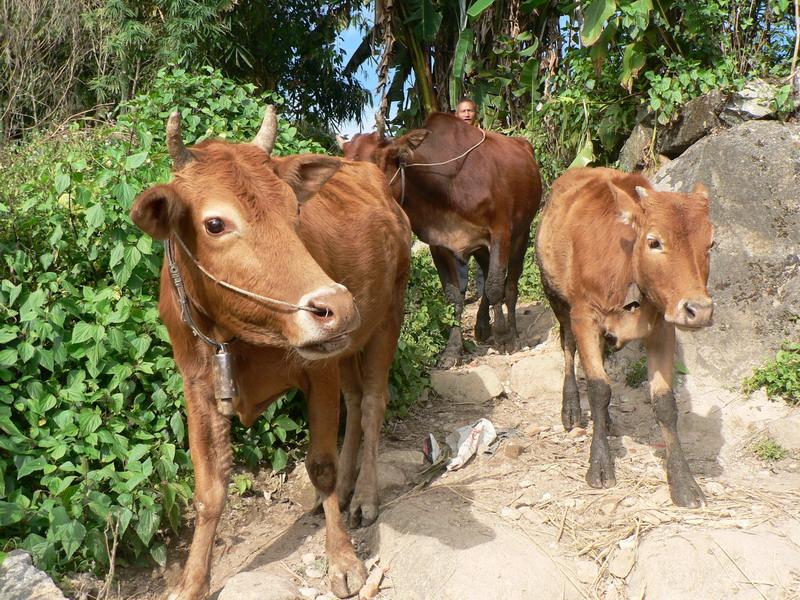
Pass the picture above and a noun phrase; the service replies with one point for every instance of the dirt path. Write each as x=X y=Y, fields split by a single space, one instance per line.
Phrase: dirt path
x=522 y=523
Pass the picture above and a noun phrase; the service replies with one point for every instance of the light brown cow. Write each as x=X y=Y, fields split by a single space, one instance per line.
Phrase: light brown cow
x=622 y=261
x=311 y=298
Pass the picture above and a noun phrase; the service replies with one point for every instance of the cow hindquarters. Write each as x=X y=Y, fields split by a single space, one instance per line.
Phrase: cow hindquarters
x=660 y=347
x=210 y=446
x=346 y=572
x=588 y=336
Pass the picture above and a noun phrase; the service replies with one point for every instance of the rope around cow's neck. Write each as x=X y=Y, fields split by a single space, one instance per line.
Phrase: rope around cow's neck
x=402 y=167
x=238 y=290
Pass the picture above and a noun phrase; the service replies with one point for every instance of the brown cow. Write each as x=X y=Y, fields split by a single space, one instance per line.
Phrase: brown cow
x=621 y=260
x=312 y=298
x=481 y=204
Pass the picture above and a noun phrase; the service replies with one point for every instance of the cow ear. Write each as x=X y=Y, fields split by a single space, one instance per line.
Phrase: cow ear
x=629 y=208
x=155 y=211
x=306 y=173
x=341 y=141
x=408 y=143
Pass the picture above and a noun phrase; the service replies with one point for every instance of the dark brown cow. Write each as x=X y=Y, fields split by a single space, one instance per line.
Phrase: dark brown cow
x=328 y=267
x=481 y=204
x=622 y=261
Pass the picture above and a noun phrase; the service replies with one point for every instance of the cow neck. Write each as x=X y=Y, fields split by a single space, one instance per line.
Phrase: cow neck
x=401 y=169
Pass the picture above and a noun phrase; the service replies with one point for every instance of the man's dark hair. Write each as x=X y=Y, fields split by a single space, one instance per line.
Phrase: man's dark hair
x=465 y=99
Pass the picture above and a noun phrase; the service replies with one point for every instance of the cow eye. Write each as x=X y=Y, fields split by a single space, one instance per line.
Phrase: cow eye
x=215 y=225
x=653 y=243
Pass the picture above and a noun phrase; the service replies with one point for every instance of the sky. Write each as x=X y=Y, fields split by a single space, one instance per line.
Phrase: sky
x=367 y=75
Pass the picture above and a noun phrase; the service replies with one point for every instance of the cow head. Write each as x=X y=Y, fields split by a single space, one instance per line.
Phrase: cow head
x=671 y=251
x=237 y=210
x=388 y=154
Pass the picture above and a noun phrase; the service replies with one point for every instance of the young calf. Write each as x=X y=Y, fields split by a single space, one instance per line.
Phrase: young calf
x=299 y=286
x=622 y=261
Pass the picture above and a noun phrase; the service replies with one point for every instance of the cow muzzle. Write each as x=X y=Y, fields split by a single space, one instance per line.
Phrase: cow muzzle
x=694 y=313
x=326 y=330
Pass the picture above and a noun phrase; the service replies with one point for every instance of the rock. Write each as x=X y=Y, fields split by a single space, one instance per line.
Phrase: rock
x=753 y=174
x=698 y=117
x=308 y=558
x=622 y=563
x=259 y=585
x=754 y=101
x=510 y=513
x=473 y=386
x=20 y=580
x=390 y=477
x=309 y=592
x=576 y=432
x=314 y=572
x=686 y=563
x=714 y=488
x=586 y=571
x=786 y=432
x=633 y=153
x=419 y=246
x=533 y=430
x=513 y=448
x=539 y=377
x=426 y=538
x=372 y=586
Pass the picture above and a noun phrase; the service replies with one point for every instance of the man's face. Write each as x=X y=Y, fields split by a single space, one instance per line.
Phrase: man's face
x=466 y=112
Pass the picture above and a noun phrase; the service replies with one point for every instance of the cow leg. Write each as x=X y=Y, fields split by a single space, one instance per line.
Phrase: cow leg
x=660 y=346
x=348 y=458
x=482 y=326
x=570 y=397
x=515 y=266
x=209 y=442
x=494 y=290
x=346 y=572
x=588 y=336
x=445 y=262
x=377 y=360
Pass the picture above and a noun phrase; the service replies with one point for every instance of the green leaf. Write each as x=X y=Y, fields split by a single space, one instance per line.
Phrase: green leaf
x=83 y=332
x=176 y=424
x=95 y=216
x=134 y=161
x=429 y=20
x=594 y=18
x=279 y=459
x=159 y=553
x=632 y=62
x=71 y=536
x=10 y=513
x=463 y=46
x=584 y=157
x=8 y=357
x=147 y=525
x=62 y=182
x=477 y=8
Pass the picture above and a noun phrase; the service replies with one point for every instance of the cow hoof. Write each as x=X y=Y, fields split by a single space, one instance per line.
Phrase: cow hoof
x=687 y=494
x=449 y=360
x=347 y=576
x=571 y=414
x=601 y=474
x=482 y=332
x=188 y=592
x=362 y=513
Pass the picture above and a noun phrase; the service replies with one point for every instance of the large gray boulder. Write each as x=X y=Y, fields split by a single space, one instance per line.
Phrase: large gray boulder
x=698 y=118
x=753 y=174
x=20 y=580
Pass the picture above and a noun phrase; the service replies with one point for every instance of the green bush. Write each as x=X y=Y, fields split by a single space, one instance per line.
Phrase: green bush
x=780 y=377
x=91 y=409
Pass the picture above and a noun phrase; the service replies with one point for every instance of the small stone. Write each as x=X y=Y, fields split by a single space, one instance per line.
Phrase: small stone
x=308 y=558
x=715 y=488
x=661 y=496
x=629 y=542
x=525 y=483
x=628 y=501
x=533 y=430
x=743 y=523
x=577 y=432
x=570 y=503
x=586 y=571
x=510 y=513
x=512 y=449
x=622 y=563
x=546 y=497
x=608 y=507
x=255 y=585
x=372 y=586
x=309 y=592
x=314 y=573
x=491 y=351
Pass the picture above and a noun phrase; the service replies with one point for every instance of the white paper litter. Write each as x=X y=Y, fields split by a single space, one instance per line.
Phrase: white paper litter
x=466 y=441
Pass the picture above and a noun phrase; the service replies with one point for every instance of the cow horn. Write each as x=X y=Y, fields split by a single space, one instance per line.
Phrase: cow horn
x=265 y=138
x=178 y=152
x=341 y=141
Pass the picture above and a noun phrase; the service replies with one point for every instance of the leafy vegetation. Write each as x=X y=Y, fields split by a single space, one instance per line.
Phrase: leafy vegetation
x=769 y=450
x=780 y=377
x=636 y=372
x=91 y=407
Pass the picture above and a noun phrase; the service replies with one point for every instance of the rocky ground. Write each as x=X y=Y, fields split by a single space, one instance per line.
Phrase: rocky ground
x=521 y=522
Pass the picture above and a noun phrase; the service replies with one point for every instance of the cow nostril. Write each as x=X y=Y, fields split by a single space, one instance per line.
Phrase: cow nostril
x=320 y=310
x=690 y=311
